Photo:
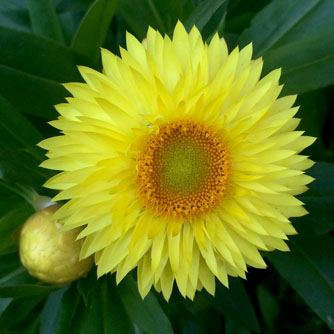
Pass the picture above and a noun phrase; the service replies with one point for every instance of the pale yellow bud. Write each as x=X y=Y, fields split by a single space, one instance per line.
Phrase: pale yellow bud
x=50 y=254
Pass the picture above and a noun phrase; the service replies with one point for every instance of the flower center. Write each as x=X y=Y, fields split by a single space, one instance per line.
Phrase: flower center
x=183 y=166
x=183 y=170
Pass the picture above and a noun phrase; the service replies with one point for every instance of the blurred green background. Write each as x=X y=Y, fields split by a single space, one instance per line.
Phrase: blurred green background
x=41 y=42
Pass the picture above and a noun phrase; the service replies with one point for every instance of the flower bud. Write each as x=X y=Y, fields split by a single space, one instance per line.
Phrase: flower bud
x=50 y=254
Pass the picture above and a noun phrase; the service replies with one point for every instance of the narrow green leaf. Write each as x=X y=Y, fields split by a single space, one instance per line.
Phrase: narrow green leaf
x=147 y=314
x=273 y=22
x=268 y=306
x=44 y=19
x=216 y=24
x=8 y=244
x=32 y=328
x=18 y=139
x=308 y=269
x=26 y=290
x=115 y=319
x=319 y=20
x=104 y=313
x=17 y=132
x=38 y=56
x=313 y=113
x=318 y=199
x=38 y=95
x=303 y=28
x=51 y=311
x=87 y=319
x=203 y=13
x=4 y=302
x=310 y=69
x=17 y=18
x=73 y=5
x=93 y=28
x=17 y=276
x=12 y=273
x=16 y=217
x=66 y=312
x=14 y=4
x=19 y=310
x=9 y=264
x=234 y=303
x=234 y=327
x=32 y=68
x=86 y=285
x=160 y=15
x=13 y=209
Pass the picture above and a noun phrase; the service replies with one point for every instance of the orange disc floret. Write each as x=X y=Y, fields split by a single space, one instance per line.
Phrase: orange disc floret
x=183 y=170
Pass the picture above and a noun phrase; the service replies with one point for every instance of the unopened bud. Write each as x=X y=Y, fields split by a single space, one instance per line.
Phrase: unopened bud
x=50 y=254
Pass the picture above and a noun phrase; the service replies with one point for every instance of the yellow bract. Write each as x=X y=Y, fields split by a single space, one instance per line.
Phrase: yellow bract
x=125 y=169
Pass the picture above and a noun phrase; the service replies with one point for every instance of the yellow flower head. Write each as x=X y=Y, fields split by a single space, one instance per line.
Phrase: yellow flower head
x=179 y=160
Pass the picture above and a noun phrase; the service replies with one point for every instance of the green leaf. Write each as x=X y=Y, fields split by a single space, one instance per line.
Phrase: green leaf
x=303 y=28
x=38 y=56
x=310 y=70
x=19 y=311
x=146 y=314
x=234 y=327
x=19 y=276
x=18 y=143
x=8 y=244
x=115 y=319
x=9 y=222
x=308 y=269
x=26 y=290
x=319 y=201
x=4 y=302
x=12 y=273
x=240 y=14
x=93 y=28
x=17 y=132
x=319 y=20
x=32 y=68
x=86 y=285
x=234 y=303
x=73 y=5
x=216 y=24
x=17 y=18
x=203 y=13
x=32 y=328
x=313 y=113
x=13 y=4
x=9 y=264
x=104 y=313
x=273 y=22
x=51 y=311
x=269 y=308
x=160 y=15
x=64 y=314
x=44 y=19
x=15 y=217
x=37 y=95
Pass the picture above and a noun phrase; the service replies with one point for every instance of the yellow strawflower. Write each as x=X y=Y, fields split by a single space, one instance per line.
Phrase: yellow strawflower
x=179 y=160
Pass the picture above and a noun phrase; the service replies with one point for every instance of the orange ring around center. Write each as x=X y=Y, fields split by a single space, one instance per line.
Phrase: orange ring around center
x=183 y=170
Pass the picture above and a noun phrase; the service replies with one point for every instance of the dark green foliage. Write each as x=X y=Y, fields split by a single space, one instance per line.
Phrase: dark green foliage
x=309 y=270
x=44 y=19
x=41 y=44
x=93 y=28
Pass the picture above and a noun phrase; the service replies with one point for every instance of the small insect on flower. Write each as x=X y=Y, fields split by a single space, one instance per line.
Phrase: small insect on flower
x=180 y=160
